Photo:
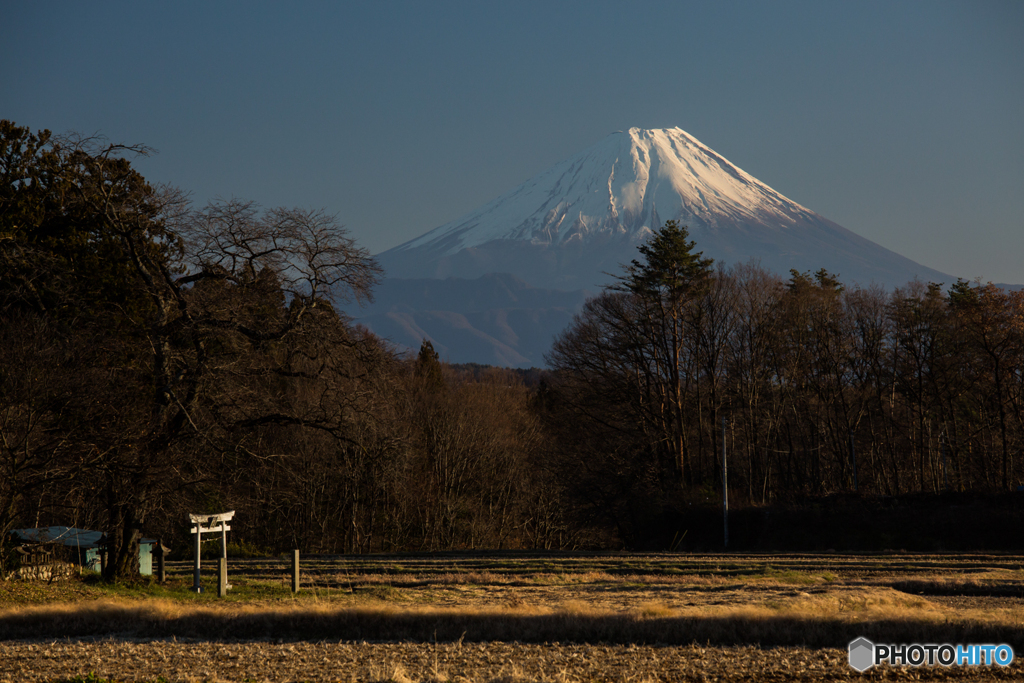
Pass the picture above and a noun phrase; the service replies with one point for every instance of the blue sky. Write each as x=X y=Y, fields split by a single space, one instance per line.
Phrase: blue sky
x=902 y=121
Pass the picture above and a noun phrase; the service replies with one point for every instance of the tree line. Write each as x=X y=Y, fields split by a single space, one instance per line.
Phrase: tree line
x=811 y=387
x=158 y=359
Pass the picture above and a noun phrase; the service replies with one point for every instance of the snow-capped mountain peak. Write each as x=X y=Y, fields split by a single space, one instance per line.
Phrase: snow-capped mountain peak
x=570 y=225
x=620 y=186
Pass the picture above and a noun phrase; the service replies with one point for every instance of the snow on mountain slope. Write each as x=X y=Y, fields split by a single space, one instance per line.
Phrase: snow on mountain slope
x=572 y=225
x=618 y=186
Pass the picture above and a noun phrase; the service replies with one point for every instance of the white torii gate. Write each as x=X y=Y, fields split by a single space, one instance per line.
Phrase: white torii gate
x=220 y=520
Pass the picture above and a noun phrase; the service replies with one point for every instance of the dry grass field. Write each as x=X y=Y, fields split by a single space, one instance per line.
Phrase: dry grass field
x=519 y=617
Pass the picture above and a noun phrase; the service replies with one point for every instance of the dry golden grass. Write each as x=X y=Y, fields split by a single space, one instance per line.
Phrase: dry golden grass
x=822 y=619
x=635 y=619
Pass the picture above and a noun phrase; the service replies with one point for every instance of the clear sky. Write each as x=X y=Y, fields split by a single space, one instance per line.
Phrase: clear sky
x=900 y=120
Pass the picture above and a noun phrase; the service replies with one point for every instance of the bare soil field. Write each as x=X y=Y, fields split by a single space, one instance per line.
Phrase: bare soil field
x=404 y=662
x=519 y=617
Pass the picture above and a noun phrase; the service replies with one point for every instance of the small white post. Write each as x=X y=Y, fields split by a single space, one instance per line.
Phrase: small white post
x=222 y=577
x=224 y=552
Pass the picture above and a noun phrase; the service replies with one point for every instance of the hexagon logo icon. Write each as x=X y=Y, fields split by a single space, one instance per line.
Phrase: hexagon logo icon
x=862 y=654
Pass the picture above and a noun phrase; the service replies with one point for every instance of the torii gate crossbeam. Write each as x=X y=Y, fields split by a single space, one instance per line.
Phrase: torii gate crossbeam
x=220 y=520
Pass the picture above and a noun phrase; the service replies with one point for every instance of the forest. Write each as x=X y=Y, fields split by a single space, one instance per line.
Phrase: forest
x=158 y=359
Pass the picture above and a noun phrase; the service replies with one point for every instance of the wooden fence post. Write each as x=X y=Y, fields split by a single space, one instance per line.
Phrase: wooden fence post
x=295 y=571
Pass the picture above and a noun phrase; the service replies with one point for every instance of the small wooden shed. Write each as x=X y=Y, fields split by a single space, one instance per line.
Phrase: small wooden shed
x=82 y=547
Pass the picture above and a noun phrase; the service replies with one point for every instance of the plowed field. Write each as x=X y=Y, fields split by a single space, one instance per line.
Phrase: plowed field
x=514 y=617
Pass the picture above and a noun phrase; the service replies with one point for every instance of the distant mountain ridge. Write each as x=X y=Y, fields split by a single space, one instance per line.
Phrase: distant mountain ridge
x=496 y=319
x=490 y=287
x=569 y=226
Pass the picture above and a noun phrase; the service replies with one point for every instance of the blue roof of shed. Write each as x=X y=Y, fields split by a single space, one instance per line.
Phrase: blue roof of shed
x=81 y=538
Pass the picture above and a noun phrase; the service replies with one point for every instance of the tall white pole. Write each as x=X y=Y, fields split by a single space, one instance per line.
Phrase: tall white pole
x=725 y=487
x=853 y=457
x=945 y=461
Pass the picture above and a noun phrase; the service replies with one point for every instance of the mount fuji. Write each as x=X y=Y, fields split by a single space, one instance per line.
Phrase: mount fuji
x=570 y=225
x=541 y=248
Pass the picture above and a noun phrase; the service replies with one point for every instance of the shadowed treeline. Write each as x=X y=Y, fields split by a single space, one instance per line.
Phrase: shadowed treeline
x=157 y=359
x=811 y=388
